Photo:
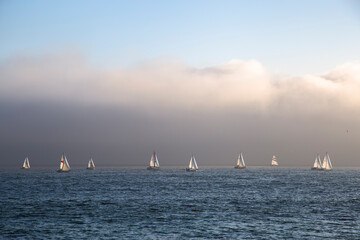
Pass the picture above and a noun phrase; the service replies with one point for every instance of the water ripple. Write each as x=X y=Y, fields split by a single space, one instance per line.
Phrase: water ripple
x=256 y=203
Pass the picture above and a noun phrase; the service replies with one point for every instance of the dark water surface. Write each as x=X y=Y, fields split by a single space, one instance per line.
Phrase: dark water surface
x=255 y=203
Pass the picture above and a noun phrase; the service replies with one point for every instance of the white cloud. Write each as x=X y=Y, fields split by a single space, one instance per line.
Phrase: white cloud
x=169 y=83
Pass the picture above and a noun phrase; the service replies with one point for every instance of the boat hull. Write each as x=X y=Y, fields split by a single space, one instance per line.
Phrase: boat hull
x=60 y=170
x=237 y=167
x=90 y=168
x=191 y=170
x=314 y=168
x=153 y=168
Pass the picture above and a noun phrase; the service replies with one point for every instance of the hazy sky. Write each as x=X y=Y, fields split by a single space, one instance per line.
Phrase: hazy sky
x=116 y=80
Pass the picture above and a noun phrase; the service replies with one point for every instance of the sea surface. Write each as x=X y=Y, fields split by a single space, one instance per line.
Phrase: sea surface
x=213 y=203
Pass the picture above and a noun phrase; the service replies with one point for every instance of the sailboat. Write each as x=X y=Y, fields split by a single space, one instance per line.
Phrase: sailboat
x=26 y=164
x=274 y=161
x=64 y=164
x=240 y=162
x=91 y=164
x=317 y=163
x=193 y=167
x=154 y=163
x=326 y=164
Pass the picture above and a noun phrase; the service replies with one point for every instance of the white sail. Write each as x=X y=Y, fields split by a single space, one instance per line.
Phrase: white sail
x=317 y=163
x=329 y=161
x=154 y=162
x=192 y=164
x=240 y=161
x=64 y=164
x=274 y=161
x=326 y=164
x=26 y=164
x=61 y=162
x=195 y=163
x=91 y=164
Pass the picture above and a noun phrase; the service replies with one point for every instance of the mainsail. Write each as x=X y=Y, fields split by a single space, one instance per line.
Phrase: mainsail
x=274 y=161
x=26 y=164
x=154 y=162
x=91 y=164
x=64 y=164
x=326 y=164
x=329 y=161
x=192 y=164
x=240 y=162
x=317 y=163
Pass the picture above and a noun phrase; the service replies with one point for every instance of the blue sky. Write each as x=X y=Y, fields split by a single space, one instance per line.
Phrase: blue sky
x=293 y=37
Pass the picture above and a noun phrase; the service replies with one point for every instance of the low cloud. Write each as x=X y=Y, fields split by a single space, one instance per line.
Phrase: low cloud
x=169 y=83
x=59 y=102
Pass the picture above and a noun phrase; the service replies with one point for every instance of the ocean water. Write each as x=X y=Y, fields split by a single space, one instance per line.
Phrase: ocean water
x=214 y=203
